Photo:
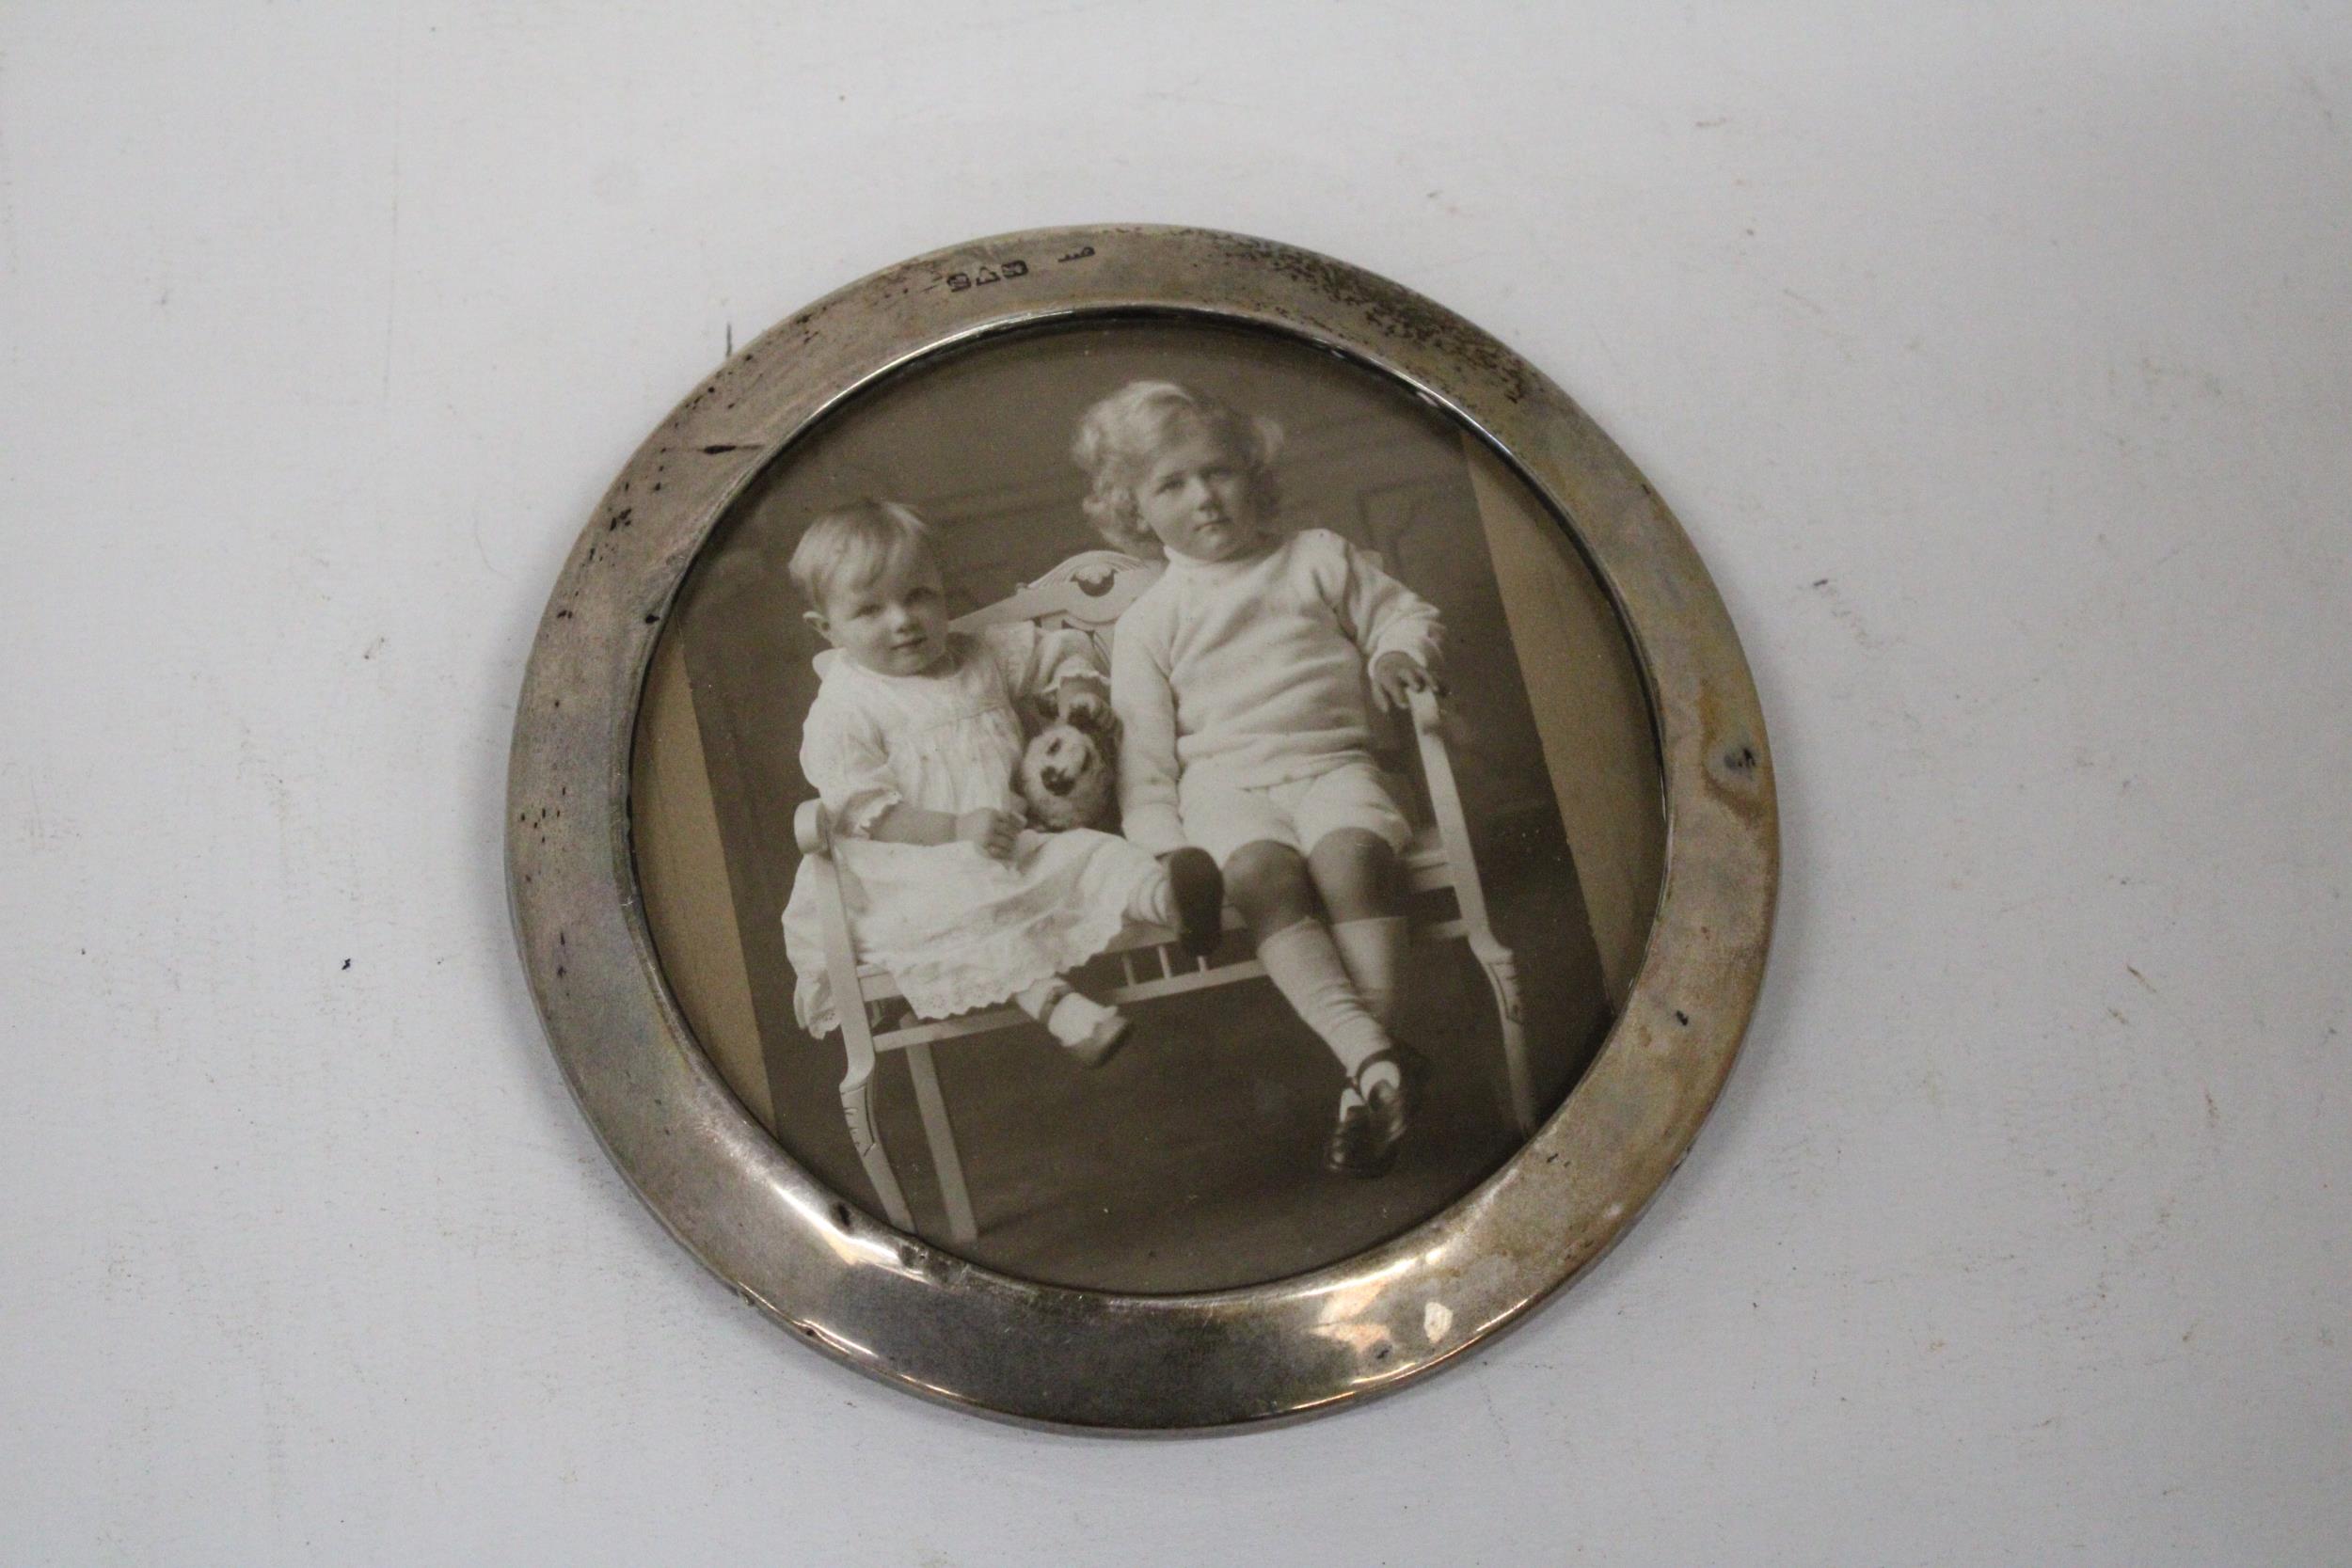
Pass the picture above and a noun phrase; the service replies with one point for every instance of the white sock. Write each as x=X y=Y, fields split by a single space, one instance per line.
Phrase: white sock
x=1304 y=967
x=1371 y=950
x=1154 y=902
x=1037 y=1000
x=1076 y=1018
x=1068 y=1016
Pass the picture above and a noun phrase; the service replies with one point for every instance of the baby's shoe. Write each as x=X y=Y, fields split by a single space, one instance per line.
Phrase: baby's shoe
x=1197 y=889
x=1091 y=1032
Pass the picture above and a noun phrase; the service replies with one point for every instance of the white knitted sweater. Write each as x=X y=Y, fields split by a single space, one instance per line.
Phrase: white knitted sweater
x=1250 y=671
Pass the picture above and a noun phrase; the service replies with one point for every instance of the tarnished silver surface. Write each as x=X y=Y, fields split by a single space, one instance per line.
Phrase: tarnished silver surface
x=897 y=1308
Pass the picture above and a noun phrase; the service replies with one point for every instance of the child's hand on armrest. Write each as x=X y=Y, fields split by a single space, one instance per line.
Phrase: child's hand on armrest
x=1397 y=675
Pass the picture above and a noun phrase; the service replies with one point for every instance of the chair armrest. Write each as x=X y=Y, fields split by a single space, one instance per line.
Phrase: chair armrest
x=812 y=824
x=1437 y=763
x=1445 y=802
x=1423 y=704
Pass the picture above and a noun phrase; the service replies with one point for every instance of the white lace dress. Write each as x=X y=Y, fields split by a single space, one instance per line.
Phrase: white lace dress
x=956 y=930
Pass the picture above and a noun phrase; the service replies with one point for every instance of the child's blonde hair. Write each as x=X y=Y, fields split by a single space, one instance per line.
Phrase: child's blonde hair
x=856 y=544
x=1118 y=437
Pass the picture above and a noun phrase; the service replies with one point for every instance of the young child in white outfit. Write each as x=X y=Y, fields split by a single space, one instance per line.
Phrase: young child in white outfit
x=912 y=742
x=1240 y=678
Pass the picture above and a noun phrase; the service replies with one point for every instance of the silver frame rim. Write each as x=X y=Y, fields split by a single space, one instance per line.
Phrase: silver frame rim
x=894 y=1306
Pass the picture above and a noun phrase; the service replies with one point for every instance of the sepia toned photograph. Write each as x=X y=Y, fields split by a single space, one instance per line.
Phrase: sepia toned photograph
x=1147 y=806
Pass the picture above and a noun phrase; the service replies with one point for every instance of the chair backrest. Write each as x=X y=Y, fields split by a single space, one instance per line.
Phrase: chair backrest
x=1086 y=593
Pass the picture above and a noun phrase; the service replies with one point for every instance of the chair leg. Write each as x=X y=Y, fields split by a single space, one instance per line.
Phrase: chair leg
x=943 y=1141
x=1503 y=974
x=857 y=1109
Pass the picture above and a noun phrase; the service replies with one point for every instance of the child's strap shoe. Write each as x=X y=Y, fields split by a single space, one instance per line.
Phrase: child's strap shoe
x=1373 y=1122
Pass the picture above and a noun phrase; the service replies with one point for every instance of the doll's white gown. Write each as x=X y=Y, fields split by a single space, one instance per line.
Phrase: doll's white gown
x=956 y=930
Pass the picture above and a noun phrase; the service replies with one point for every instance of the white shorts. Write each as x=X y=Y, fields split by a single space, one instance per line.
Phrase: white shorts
x=1298 y=814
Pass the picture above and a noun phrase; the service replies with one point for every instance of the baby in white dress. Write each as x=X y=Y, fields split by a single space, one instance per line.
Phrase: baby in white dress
x=912 y=742
x=1241 y=678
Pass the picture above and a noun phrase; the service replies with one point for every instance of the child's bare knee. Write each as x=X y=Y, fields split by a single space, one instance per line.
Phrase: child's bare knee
x=1264 y=878
x=1353 y=863
x=1263 y=867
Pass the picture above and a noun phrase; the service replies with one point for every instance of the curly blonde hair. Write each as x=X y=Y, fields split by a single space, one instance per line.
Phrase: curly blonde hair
x=1120 y=435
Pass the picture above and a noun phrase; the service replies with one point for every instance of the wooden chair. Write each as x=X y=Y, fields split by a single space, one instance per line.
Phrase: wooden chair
x=1086 y=593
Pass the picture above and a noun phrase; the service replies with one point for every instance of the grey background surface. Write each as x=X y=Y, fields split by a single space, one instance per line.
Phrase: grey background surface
x=1998 y=357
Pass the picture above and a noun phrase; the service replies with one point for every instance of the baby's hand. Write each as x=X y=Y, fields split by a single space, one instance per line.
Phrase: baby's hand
x=993 y=831
x=1396 y=675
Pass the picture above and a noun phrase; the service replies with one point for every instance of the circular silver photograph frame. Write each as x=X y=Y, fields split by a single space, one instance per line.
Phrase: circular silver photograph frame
x=902 y=1310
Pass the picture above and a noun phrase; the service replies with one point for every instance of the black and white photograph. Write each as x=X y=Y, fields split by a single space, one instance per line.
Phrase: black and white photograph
x=964 y=786
x=1094 y=808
